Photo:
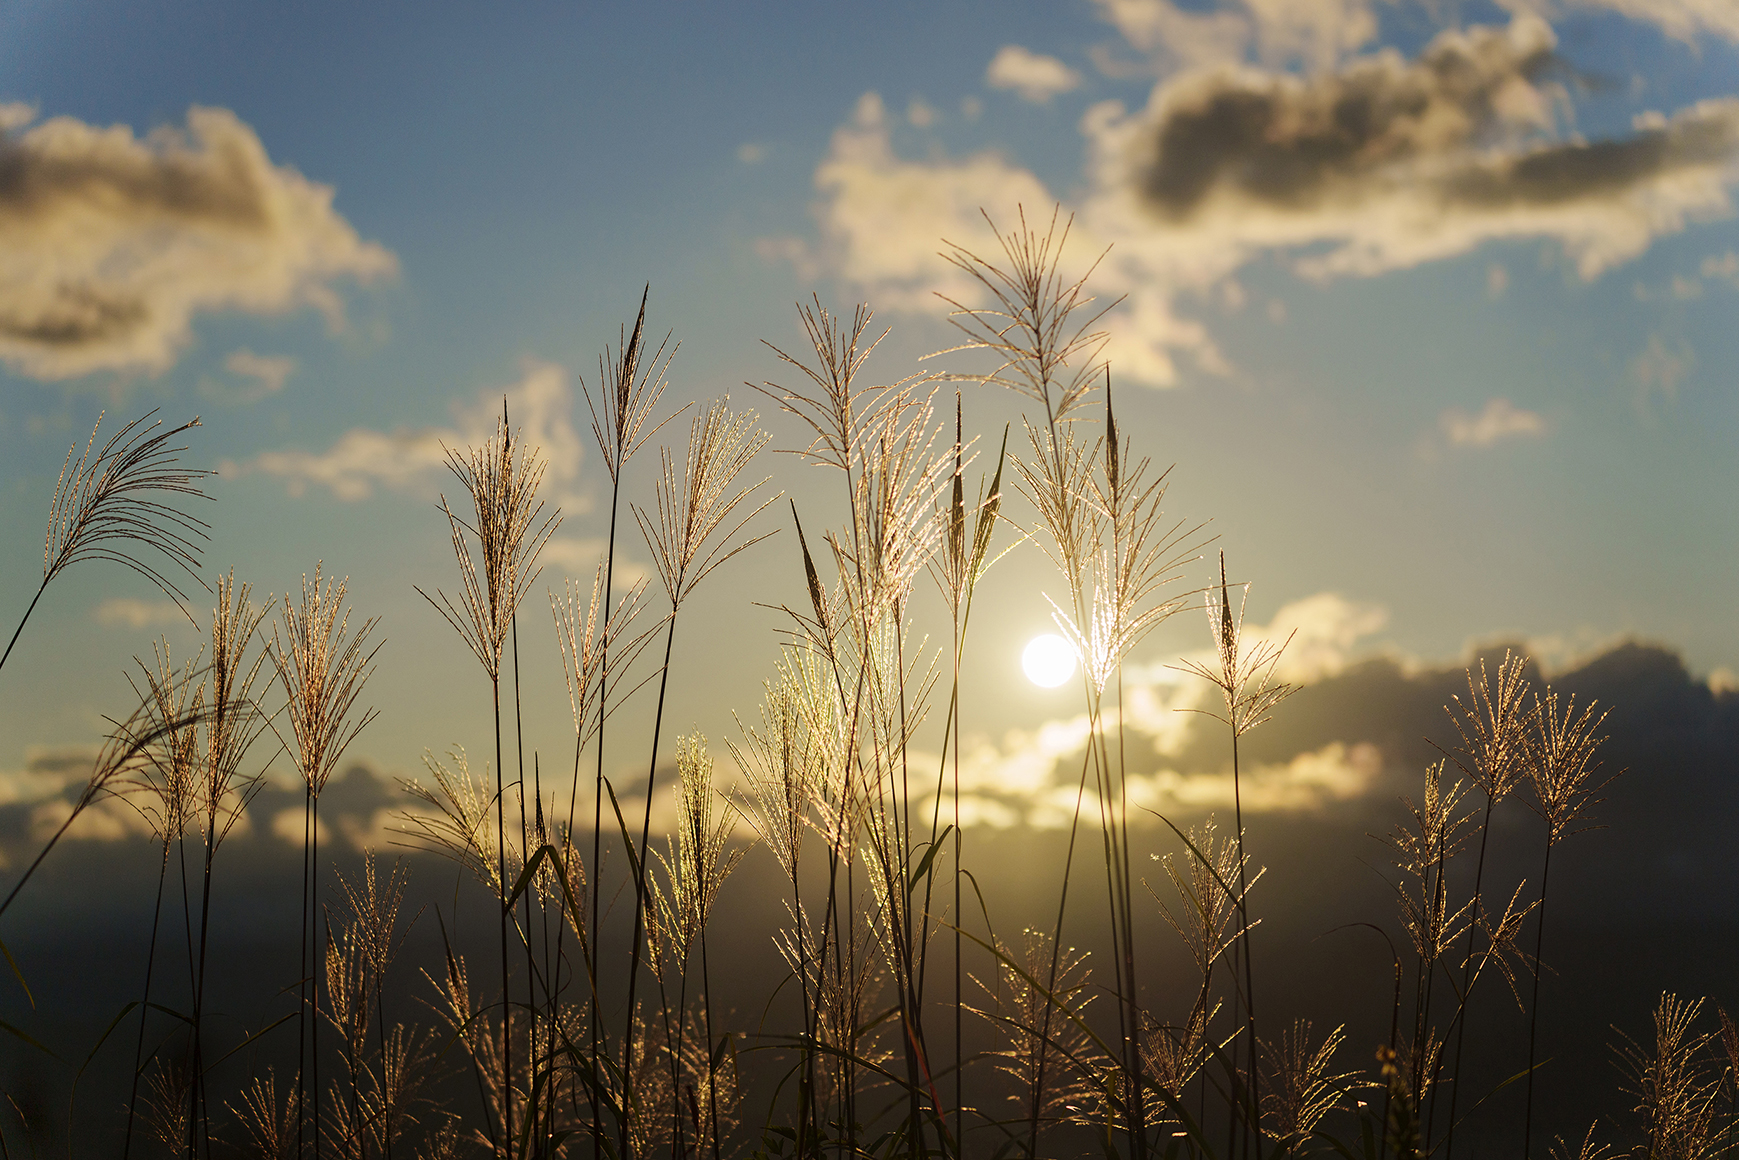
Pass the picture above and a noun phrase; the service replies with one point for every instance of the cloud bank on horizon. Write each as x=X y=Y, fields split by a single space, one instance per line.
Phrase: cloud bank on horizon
x=1351 y=163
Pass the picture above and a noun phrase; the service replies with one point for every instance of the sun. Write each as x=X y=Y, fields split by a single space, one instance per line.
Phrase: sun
x=1048 y=660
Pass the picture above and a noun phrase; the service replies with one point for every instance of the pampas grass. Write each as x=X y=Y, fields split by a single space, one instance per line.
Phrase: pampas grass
x=859 y=1051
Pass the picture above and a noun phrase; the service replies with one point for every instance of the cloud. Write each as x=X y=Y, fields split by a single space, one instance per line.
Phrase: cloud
x=1383 y=164
x=1660 y=369
x=1498 y=419
x=113 y=242
x=1036 y=77
x=540 y=406
x=269 y=373
x=752 y=152
x=1680 y=19
x=580 y=557
x=1030 y=775
x=1317 y=33
x=882 y=215
x=1174 y=36
x=125 y=610
x=1724 y=266
x=921 y=113
x=1497 y=280
x=1394 y=162
x=49 y=770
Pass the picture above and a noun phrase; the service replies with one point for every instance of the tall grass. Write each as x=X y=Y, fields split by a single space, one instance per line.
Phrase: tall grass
x=603 y=1034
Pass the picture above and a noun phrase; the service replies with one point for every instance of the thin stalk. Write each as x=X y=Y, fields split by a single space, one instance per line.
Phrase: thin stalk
x=640 y=877
x=20 y=629
x=1466 y=974
x=1249 y=973
x=145 y=1003
x=712 y=1087
x=524 y=848
x=1051 y=979
x=1534 y=1005
x=314 y=971
x=501 y=881
x=303 y=971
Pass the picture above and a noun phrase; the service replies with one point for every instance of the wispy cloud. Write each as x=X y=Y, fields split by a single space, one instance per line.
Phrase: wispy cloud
x=540 y=405
x=1684 y=20
x=262 y=375
x=114 y=242
x=1498 y=420
x=132 y=613
x=1660 y=369
x=1035 y=76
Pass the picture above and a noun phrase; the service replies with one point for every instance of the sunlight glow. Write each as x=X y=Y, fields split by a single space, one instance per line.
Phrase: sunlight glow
x=1048 y=660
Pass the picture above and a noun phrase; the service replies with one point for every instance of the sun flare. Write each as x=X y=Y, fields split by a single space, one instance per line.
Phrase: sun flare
x=1048 y=660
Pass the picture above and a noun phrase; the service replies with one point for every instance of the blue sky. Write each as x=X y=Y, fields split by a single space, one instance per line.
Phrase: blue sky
x=1459 y=374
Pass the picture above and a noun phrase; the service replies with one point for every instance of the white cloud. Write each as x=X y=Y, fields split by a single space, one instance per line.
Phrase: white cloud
x=1036 y=77
x=1499 y=419
x=540 y=406
x=125 y=610
x=1317 y=32
x=1161 y=29
x=1681 y=19
x=1497 y=280
x=1226 y=164
x=112 y=242
x=752 y=152
x=921 y=113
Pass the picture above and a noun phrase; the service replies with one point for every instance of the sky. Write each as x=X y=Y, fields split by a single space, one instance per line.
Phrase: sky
x=1426 y=305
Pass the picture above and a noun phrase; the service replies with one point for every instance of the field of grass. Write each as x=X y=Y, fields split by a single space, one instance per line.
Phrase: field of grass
x=561 y=999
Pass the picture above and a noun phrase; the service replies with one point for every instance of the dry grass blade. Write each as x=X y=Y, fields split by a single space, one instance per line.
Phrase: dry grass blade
x=1032 y=1032
x=502 y=480
x=174 y=703
x=459 y=826
x=271 y=1125
x=1041 y=324
x=129 y=748
x=1435 y=832
x=1493 y=727
x=233 y=719
x=105 y=507
x=692 y=509
x=698 y=861
x=832 y=412
x=893 y=496
x=323 y=668
x=1301 y=1089
x=1674 y=1081
x=588 y=632
x=1562 y=763
x=1245 y=677
x=628 y=392
x=782 y=764
x=374 y=911
x=1588 y=1150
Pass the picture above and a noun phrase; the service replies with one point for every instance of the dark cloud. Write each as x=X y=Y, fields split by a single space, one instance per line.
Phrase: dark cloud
x=1408 y=160
x=1296 y=143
